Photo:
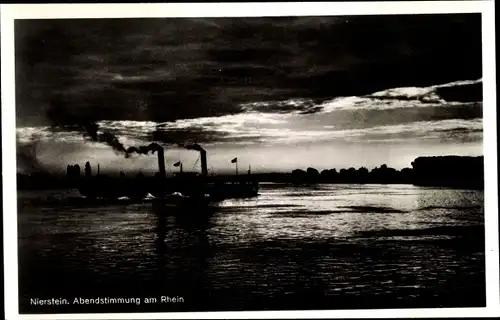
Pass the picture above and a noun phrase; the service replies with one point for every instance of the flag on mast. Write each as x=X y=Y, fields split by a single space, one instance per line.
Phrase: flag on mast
x=235 y=160
x=177 y=164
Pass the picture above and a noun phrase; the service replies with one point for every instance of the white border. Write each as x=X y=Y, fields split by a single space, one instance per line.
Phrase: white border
x=490 y=157
x=255 y=9
x=47 y=11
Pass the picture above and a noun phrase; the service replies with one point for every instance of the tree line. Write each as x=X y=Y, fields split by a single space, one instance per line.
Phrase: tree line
x=447 y=171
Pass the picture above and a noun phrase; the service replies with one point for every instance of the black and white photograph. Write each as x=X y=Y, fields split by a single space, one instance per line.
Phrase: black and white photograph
x=249 y=163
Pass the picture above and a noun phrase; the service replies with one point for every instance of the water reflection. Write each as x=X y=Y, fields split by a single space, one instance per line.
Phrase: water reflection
x=182 y=245
x=330 y=245
x=161 y=232
x=193 y=221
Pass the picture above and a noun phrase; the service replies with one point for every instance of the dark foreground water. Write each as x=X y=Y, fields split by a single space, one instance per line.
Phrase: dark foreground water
x=322 y=247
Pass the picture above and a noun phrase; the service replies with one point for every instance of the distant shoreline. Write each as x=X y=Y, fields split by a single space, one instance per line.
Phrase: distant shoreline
x=445 y=171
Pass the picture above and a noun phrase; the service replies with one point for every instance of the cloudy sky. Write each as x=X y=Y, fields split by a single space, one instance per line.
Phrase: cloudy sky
x=278 y=93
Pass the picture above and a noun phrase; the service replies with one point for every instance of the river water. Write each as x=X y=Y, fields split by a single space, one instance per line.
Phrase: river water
x=312 y=247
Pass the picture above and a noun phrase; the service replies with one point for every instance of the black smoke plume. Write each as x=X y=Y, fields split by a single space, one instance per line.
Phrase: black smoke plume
x=112 y=141
x=194 y=146
x=91 y=132
x=152 y=147
x=60 y=116
x=108 y=138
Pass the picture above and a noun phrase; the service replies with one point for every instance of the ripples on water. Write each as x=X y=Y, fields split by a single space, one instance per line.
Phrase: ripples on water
x=327 y=246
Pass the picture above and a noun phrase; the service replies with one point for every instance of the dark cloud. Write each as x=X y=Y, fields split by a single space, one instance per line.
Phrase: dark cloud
x=300 y=106
x=373 y=118
x=167 y=69
x=189 y=135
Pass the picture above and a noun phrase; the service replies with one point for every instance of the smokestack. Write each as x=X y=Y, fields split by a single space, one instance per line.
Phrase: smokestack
x=203 y=156
x=161 y=162
x=204 y=169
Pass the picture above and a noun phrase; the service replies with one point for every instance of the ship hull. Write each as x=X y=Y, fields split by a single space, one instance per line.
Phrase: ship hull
x=138 y=189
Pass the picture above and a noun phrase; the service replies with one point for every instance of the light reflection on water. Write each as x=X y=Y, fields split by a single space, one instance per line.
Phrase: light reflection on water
x=340 y=211
x=375 y=240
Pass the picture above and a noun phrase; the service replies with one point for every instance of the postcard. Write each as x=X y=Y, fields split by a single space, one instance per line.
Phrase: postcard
x=260 y=160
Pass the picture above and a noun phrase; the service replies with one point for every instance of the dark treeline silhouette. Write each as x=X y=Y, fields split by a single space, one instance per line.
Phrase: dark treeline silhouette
x=73 y=171
x=446 y=171
x=382 y=174
x=449 y=171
